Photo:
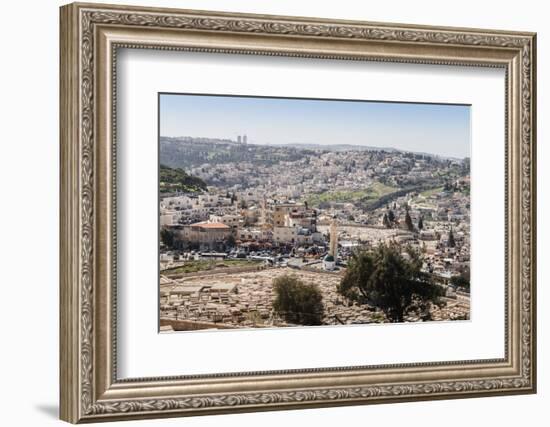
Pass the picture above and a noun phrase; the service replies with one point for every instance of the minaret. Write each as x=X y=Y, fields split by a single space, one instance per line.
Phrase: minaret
x=333 y=248
x=263 y=213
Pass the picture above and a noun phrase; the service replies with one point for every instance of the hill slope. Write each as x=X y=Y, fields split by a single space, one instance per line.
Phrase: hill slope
x=177 y=180
x=192 y=152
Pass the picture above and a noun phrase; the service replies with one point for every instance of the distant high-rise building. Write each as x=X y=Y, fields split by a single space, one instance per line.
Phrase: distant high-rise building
x=245 y=139
x=239 y=140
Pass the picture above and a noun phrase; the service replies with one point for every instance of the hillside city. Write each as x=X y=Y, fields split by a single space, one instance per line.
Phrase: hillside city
x=238 y=218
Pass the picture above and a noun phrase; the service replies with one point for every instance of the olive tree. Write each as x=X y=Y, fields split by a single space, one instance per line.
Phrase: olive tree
x=297 y=302
x=393 y=282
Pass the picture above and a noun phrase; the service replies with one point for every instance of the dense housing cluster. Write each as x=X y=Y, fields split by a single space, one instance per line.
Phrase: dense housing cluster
x=271 y=210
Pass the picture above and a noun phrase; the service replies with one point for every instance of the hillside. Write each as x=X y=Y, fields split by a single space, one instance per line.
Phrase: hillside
x=192 y=152
x=177 y=180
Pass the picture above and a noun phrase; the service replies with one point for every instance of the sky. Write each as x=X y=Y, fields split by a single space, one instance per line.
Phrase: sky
x=441 y=129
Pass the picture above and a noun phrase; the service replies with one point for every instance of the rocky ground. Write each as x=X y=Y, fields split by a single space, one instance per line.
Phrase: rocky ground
x=245 y=300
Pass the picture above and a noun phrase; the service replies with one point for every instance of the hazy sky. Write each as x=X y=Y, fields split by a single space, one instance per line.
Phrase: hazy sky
x=433 y=128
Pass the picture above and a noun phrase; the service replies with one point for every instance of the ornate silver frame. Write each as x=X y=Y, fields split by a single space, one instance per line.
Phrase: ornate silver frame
x=90 y=36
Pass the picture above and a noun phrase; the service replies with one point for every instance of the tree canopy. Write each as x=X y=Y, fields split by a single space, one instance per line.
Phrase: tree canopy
x=390 y=281
x=168 y=237
x=408 y=222
x=386 y=221
x=297 y=302
x=460 y=282
x=176 y=179
x=231 y=241
x=451 y=242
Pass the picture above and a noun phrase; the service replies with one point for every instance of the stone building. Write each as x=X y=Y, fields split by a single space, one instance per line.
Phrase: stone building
x=207 y=234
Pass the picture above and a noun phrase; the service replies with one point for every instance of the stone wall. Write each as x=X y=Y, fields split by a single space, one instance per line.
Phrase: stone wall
x=190 y=325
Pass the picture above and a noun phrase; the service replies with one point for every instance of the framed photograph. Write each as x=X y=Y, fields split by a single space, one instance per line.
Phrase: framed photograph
x=266 y=213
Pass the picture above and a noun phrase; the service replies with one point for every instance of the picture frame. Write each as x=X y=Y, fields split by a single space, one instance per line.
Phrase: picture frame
x=91 y=37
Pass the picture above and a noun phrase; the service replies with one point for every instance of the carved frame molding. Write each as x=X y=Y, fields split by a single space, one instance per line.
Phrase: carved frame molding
x=89 y=396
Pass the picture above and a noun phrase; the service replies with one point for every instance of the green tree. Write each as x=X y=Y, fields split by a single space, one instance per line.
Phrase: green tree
x=386 y=221
x=176 y=179
x=391 y=216
x=390 y=281
x=451 y=241
x=297 y=302
x=420 y=223
x=168 y=237
x=408 y=221
x=460 y=282
x=230 y=242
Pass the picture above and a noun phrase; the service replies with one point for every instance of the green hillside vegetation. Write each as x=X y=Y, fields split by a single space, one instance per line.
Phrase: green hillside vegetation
x=192 y=152
x=430 y=193
x=177 y=180
x=373 y=192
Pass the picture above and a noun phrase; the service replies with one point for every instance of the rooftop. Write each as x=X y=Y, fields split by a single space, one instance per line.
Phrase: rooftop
x=210 y=225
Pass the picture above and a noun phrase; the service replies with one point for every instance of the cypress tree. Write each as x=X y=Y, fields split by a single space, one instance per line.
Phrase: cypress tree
x=386 y=221
x=451 y=242
x=408 y=222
